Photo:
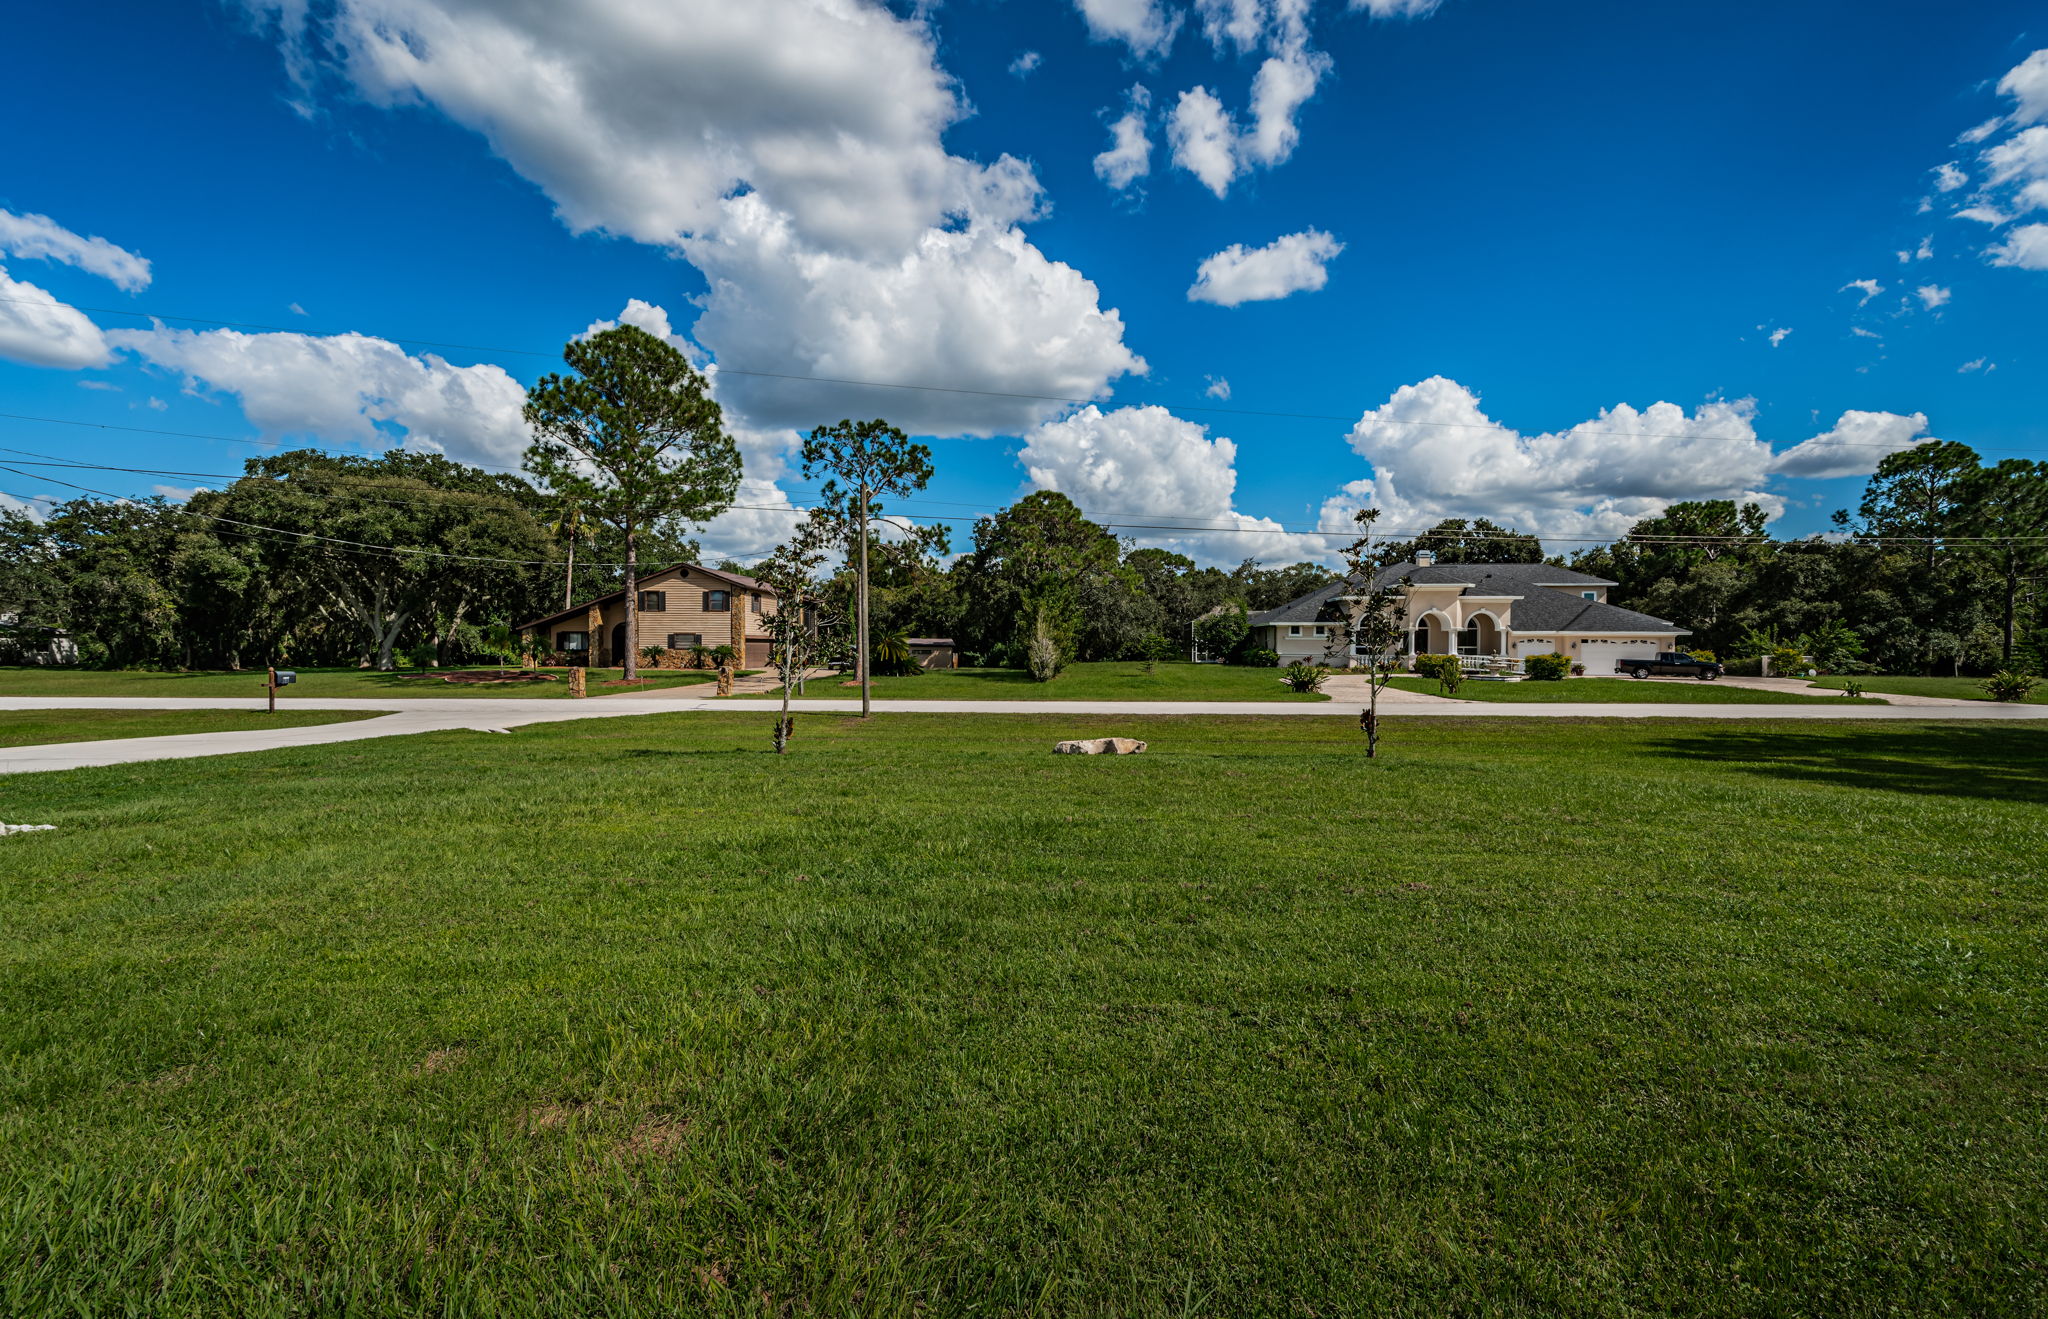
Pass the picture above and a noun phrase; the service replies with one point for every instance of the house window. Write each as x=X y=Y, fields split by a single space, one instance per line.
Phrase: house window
x=654 y=602
x=574 y=642
x=1293 y=631
x=717 y=602
x=1589 y=595
x=753 y=602
x=685 y=640
x=1468 y=638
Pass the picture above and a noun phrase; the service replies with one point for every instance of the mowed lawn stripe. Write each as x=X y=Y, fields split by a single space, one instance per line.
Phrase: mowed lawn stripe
x=631 y=1016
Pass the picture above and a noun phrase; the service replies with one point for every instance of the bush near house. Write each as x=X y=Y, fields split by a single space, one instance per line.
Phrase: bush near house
x=1302 y=677
x=1546 y=668
x=1787 y=661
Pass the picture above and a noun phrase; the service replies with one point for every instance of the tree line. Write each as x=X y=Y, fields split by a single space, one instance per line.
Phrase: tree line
x=313 y=558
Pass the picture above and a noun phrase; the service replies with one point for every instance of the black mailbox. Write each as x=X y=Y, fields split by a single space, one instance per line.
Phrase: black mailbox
x=286 y=677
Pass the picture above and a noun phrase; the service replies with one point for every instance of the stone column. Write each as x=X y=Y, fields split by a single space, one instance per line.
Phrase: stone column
x=593 y=626
x=739 y=627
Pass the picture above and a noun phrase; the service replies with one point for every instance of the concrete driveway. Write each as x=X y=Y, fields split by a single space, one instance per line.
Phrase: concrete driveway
x=433 y=715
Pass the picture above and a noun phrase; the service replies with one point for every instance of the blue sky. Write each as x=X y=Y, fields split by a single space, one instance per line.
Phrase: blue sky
x=1554 y=264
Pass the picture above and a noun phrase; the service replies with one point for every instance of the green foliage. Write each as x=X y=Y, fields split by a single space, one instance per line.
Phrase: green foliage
x=1435 y=666
x=1788 y=661
x=1703 y=656
x=1833 y=646
x=1258 y=657
x=1852 y=689
x=1302 y=677
x=1224 y=635
x=633 y=438
x=2007 y=685
x=893 y=657
x=1455 y=540
x=1546 y=668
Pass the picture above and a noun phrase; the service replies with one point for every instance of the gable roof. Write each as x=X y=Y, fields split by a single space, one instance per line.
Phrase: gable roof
x=740 y=580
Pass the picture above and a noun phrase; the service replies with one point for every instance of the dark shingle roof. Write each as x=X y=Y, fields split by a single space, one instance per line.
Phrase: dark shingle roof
x=1545 y=597
x=1308 y=609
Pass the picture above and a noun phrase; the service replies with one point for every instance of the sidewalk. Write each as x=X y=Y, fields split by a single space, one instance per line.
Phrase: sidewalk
x=428 y=715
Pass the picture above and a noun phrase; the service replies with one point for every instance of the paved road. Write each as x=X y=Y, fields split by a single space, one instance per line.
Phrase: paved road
x=430 y=714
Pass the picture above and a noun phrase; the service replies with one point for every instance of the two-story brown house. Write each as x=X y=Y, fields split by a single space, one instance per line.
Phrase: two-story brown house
x=682 y=605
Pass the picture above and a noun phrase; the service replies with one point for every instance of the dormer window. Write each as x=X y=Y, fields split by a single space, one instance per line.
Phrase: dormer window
x=1589 y=595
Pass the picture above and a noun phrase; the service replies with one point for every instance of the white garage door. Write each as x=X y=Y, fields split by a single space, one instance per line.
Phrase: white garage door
x=1599 y=656
x=1535 y=648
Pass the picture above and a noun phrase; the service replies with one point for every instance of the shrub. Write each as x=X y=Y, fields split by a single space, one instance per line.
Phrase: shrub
x=1852 y=689
x=1258 y=657
x=1303 y=677
x=1578 y=669
x=1787 y=661
x=1704 y=656
x=893 y=657
x=1042 y=653
x=723 y=655
x=2010 y=686
x=1546 y=668
x=1433 y=666
x=1744 y=668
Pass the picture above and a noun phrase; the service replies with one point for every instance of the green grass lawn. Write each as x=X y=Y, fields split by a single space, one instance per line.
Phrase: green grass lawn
x=312 y=682
x=629 y=1017
x=1107 y=680
x=1963 y=689
x=1610 y=690
x=21 y=728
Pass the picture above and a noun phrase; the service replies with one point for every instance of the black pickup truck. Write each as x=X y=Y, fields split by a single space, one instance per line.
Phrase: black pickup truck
x=1670 y=664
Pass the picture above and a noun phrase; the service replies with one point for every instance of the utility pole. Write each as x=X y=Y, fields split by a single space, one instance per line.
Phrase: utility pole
x=861 y=626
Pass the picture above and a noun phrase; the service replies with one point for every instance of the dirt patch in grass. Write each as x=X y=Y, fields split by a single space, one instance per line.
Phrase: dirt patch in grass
x=655 y=1136
x=440 y=1060
x=494 y=679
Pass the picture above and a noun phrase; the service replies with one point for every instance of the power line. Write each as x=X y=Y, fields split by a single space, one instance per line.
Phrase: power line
x=938 y=389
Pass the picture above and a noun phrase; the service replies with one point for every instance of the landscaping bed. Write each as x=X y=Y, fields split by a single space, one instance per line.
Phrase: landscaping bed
x=632 y=1017
x=1958 y=689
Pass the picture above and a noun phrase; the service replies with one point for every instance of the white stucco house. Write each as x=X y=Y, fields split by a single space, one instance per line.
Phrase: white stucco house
x=1478 y=610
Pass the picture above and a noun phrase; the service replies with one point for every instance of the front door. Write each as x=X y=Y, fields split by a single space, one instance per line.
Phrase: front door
x=618 y=655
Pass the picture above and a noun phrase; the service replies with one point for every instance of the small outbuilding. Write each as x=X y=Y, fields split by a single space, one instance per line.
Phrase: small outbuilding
x=934 y=652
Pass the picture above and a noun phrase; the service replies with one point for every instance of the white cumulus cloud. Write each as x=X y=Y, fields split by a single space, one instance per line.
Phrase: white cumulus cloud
x=1397 y=8
x=2025 y=247
x=1293 y=263
x=1026 y=64
x=1932 y=295
x=1204 y=139
x=1869 y=288
x=1129 y=157
x=1855 y=446
x=1145 y=464
x=347 y=388
x=973 y=309
x=1435 y=453
x=1146 y=26
x=791 y=150
x=38 y=236
x=1947 y=178
x=2027 y=84
x=38 y=329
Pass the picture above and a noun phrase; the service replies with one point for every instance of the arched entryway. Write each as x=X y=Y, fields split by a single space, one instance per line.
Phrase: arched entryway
x=618 y=653
x=1480 y=636
x=1432 y=636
